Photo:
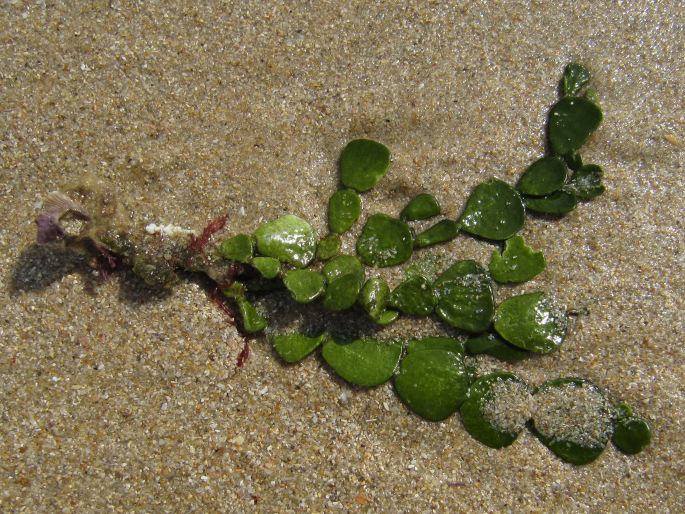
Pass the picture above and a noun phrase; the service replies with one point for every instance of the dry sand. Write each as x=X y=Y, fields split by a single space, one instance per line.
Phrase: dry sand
x=119 y=401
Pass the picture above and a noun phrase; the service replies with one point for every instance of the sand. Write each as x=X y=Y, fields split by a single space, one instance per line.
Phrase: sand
x=112 y=399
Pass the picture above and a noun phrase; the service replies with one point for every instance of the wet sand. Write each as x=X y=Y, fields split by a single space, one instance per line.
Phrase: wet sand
x=115 y=399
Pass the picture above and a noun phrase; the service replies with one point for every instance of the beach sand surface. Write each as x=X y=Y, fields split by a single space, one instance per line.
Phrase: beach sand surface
x=115 y=399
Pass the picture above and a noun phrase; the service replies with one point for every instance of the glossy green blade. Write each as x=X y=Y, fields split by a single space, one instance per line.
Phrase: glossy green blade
x=484 y=399
x=421 y=207
x=543 y=177
x=304 y=285
x=435 y=343
x=363 y=163
x=573 y=419
x=492 y=345
x=465 y=297
x=374 y=296
x=344 y=208
x=531 y=321
x=328 y=247
x=295 y=347
x=559 y=202
x=572 y=121
x=586 y=183
x=493 y=211
x=363 y=362
x=517 y=263
x=432 y=383
x=289 y=239
x=384 y=241
x=414 y=296
x=268 y=267
x=238 y=248
x=441 y=232
x=575 y=77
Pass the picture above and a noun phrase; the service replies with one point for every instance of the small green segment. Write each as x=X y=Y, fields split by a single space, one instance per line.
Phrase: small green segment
x=344 y=208
x=441 y=232
x=289 y=239
x=531 y=321
x=341 y=294
x=387 y=317
x=363 y=163
x=632 y=433
x=295 y=347
x=573 y=160
x=363 y=362
x=575 y=77
x=569 y=451
x=253 y=322
x=492 y=345
x=304 y=285
x=328 y=247
x=268 y=267
x=559 y=202
x=517 y=263
x=414 y=296
x=436 y=343
x=421 y=207
x=586 y=183
x=572 y=121
x=472 y=411
x=384 y=241
x=374 y=297
x=432 y=383
x=493 y=211
x=238 y=248
x=543 y=177
x=345 y=276
x=465 y=296
x=343 y=265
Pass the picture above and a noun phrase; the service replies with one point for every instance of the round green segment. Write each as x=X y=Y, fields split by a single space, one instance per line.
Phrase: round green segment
x=573 y=418
x=465 y=296
x=421 y=207
x=252 y=321
x=289 y=239
x=449 y=344
x=586 y=182
x=575 y=77
x=559 y=202
x=492 y=345
x=384 y=241
x=341 y=294
x=328 y=247
x=543 y=177
x=531 y=321
x=374 y=296
x=295 y=347
x=517 y=263
x=238 y=248
x=268 y=267
x=432 y=383
x=493 y=211
x=363 y=362
x=343 y=265
x=304 y=285
x=441 y=232
x=363 y=163
x=473 y=417
x=414 y=296
x=572 y=121
x=631 y=434
x=344 y=208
